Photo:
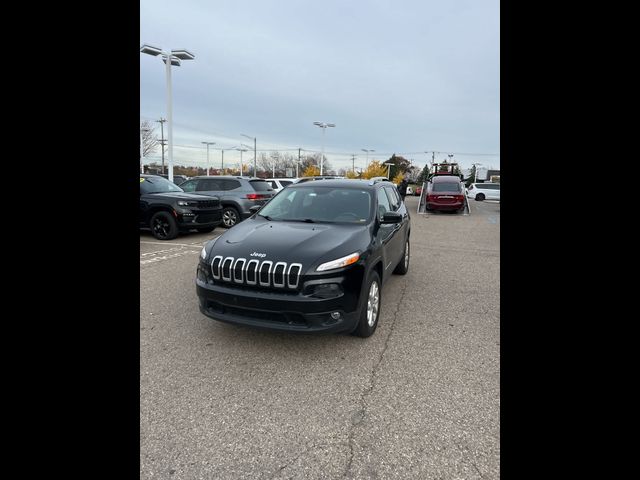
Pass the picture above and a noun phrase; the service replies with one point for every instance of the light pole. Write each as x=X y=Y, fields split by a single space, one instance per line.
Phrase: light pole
x=241 y=150
x=142 y=129
x=207 y=144
x=169 y=58
x=323 y=126
x=222 y=166
x=367 y=152
x=255 y=174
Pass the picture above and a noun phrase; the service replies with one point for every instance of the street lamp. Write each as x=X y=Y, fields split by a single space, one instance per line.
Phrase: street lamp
x=254 y=153
x=170 y=58
x=367 y=151
x=207 y=144
x=142 y=129
x=323 y=126
x=241 y=150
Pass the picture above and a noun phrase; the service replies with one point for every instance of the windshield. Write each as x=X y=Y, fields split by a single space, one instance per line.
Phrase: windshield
x=157 y=185
x=319 y=204
x=446 y=187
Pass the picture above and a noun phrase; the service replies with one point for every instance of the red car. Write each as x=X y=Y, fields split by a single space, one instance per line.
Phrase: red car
x=445 y=192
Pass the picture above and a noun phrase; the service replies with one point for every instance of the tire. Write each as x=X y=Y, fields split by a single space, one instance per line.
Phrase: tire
x=206 y=229
x=230 y=217
x=403 y=266
x=480 y=197
x=364 y=328
x=163 y=226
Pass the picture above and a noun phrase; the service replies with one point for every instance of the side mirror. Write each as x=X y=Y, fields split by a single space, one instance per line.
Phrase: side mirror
x=392 y=217
x=255 y=209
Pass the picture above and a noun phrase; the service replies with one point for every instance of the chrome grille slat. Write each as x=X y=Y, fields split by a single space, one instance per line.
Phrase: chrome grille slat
x=235 y=267
x=299 y=266
x=230 y=260
x=275 y=269
x=215 y=270
x=268 y=282
x=242 y=271
x=255 y=272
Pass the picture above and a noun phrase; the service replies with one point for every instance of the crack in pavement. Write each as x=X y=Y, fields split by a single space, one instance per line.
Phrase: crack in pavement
x=360 y=415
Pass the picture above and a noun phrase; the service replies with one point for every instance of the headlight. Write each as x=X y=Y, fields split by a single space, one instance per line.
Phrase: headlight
x=339 y=262
x=207 y=248
x=183 y=203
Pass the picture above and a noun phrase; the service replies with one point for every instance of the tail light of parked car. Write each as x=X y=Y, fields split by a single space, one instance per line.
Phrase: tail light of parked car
x=257 y=196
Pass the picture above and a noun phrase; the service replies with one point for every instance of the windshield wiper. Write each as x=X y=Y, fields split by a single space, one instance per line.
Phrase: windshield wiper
x=265 y=216
x=306 y=220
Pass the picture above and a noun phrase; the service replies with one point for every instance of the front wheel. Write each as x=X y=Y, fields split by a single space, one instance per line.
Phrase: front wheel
x=403 y=267
x=480 y=197
x=368 y=321
x=163 y=226
x=230 y=217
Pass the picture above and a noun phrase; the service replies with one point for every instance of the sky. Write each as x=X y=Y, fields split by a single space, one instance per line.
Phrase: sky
x=394 y=76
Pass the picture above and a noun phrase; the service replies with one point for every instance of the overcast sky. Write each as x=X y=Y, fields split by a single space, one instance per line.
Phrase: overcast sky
x=403 y=76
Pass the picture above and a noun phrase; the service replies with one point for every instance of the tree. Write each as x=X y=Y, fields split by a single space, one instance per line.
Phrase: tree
x=311 y=171
x=400 y=164
x=398 y=178
x=375 y=169
x=351 y=174
x=149 y=137
x=412 y=174
x=424 y=174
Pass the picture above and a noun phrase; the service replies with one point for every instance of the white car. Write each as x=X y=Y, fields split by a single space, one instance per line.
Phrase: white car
x=279 y=183
x=484 y=191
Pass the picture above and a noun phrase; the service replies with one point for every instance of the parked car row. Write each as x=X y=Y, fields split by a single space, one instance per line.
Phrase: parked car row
x=168 y=208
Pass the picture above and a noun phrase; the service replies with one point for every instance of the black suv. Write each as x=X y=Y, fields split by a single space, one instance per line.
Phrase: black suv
x=237 y=194
x=166 y=210
x=313 y=259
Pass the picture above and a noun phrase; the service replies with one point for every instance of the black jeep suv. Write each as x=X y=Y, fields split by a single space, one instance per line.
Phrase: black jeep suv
x=166 y=209
x=312 y=259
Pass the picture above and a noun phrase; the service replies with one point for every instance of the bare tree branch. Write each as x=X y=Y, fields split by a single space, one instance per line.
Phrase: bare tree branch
x=149 y=138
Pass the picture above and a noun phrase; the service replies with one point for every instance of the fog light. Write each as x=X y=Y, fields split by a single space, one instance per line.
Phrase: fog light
x=335 y=315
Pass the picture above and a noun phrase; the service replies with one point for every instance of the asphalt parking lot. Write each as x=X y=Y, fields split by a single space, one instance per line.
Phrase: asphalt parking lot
x=418 y=399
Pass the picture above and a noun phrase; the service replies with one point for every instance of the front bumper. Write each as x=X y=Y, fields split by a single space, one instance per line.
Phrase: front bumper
x=189 y=219
x=277 y=310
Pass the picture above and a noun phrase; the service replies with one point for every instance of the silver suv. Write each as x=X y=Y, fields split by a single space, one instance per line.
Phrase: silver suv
x=237 y=194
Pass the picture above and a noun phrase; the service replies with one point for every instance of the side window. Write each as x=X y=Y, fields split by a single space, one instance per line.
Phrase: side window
x=384 y=205
x=394 y=199
x=228 y=184
x=207 y=185
x=189 y=186
x=273 y=184
x=284 y=183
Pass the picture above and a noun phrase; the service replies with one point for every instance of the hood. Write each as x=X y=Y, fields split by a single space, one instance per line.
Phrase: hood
x=292 y=242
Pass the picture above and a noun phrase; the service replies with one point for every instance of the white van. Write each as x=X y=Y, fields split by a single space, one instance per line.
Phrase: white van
x=279 y=183
x=484 y=191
